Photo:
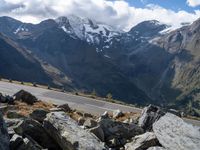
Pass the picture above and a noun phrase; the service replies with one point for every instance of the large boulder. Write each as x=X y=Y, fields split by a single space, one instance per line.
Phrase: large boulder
x=174 y=134
x=68 y=134
x=26 y=97
x=33 y=129
x=39 y=114
x=149 y=115
x=143 y=141
x=4 y=137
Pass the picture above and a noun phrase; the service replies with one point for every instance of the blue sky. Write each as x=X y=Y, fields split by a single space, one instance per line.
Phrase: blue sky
x=175 y=5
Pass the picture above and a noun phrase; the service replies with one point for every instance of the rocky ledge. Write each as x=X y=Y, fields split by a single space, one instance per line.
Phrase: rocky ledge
x=27 y=123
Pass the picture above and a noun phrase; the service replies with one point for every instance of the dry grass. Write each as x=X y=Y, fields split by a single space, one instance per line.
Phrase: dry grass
x=25 y=109
x=128 y=115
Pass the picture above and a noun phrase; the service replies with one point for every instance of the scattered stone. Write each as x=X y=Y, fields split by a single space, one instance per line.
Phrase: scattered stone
x=173 y=133
x=14 y=115
x=143 y=141
x=4 y=137
x=68 y=134
x=39 y=114
x=81 y=121
x=90 y=123
x=65 y=107
x=150 y=115
x=26 y=97
x=98 y=132
x=105 y=115
x=35 y=130
x=117 y=113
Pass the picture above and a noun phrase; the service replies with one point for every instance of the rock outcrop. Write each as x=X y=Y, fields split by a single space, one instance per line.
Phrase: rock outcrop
x=142 y=142
x=150 y=115
x=4 y=137
x=68 y=134
x=174 y=134
x=26 y=97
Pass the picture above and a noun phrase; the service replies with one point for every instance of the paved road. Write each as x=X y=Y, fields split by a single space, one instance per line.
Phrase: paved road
x=77 y=102
x=89 y=105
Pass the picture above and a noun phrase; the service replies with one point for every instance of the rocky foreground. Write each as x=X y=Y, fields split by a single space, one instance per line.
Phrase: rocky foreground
x=27 y=123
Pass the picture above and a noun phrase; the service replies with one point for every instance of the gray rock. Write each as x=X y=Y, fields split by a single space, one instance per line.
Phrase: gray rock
x=33 y=129
x=4 y=137
x=6 y=99
x=65 y=108
x=81 y=121
x=117 y=113
x=98 y=132
x=90 y=123
x=39 y=114
x=26 y=97
x=143 y=141
x=15 y=142
x=156 y=148
x=12 y=114
x=119 y=129
x=68 y=134
x=174 y=134
x=149 y=115
x=29 y=145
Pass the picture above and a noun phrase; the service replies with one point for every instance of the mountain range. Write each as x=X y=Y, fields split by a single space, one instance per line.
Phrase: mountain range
x=148 y=64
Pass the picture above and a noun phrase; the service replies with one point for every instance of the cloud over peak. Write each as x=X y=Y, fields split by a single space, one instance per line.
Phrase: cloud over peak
x=117 y=13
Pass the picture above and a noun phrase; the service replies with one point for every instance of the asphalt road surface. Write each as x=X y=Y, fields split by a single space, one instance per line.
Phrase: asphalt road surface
x=88 y=105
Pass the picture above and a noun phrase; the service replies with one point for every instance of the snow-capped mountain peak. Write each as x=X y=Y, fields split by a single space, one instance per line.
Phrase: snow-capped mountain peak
x=87 y=29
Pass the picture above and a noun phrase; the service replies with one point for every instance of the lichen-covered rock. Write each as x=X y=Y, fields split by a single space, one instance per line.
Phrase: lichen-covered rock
x=174 y=134
x=143 y=141
x=4 y=137
x=149 y=115
x=26 y=97
x=39 y=114
x=68 y=134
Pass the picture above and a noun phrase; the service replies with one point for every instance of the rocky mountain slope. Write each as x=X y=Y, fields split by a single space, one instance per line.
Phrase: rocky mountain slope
x=29 y=123
x=143 y=65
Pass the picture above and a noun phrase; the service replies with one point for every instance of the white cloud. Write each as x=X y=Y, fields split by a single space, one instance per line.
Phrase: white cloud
x=193 y=3
x=118 y=13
